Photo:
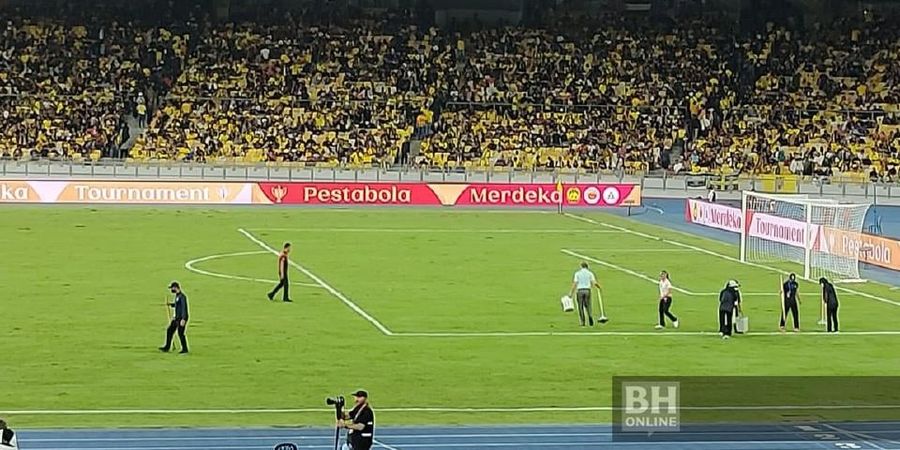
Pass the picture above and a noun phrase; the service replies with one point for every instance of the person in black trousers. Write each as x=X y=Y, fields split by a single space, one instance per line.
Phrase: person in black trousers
x=829 y=296
x=360 y=422
x=283 y=282
x=729 y=299
x=791 y=299
x=665 y=301
x=179 y=322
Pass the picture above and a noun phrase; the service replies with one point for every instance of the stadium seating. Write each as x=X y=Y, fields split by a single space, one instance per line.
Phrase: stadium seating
x=583 y=94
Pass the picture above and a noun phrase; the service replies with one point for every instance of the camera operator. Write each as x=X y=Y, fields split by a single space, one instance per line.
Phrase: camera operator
x=360 y=422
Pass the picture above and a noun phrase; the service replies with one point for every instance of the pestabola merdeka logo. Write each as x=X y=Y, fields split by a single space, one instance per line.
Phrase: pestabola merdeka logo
x=279 y=192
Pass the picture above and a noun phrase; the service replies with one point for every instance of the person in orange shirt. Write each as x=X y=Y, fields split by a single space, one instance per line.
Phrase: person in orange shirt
x=283 y=282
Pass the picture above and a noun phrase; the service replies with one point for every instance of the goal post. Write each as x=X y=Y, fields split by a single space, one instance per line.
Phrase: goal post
x=804 y=231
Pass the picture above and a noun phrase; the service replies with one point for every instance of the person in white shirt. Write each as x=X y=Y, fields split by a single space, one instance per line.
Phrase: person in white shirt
x=581 y=288
x=665 y=301
x=7 y=437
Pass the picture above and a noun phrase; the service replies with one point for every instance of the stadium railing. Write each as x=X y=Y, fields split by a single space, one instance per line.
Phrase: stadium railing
x=654 y=184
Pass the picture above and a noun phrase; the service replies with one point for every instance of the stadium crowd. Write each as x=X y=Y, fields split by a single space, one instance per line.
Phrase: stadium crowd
x=590 y=93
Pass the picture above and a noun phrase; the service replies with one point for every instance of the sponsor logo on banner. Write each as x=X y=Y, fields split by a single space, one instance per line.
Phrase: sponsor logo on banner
x=477 y=194
x=349 y=193
x=870 y=249
x=713 y=215
x=611 y=196
x=17 y=192
x=591 y=195
x=278 y=193
x=778 y=229
x=573 y=195
x=546 y=194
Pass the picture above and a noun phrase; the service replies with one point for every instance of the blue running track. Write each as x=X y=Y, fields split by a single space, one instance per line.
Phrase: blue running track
x=859 y=435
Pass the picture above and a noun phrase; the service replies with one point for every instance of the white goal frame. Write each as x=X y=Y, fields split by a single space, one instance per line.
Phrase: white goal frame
x=807 y=204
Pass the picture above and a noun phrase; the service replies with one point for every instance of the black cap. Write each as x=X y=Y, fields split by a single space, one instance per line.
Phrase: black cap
x=361 y=393
x=174 y=284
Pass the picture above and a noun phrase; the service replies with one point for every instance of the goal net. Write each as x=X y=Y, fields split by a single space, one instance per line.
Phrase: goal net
x=797 y=229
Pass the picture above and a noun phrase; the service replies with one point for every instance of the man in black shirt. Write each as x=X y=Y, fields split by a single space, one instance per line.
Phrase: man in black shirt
x=7 y=437
x=729 y=299
x=791 y=299
x=360 y=422
x=179 y=322
x=829 y=296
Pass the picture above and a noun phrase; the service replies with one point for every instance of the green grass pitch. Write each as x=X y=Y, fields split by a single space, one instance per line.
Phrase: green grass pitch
x=467 y=301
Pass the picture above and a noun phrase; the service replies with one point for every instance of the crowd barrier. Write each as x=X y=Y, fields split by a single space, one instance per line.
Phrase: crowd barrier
x=321 y=193
x=871 y=249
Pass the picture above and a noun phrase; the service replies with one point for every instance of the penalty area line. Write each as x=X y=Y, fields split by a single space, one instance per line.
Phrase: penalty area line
x=343 y=298
x=651 y=279
x=446 y=230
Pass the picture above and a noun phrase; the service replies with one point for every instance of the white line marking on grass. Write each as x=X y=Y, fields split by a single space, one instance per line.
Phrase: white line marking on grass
x=720 y=255
x=622 y=269
x=383 y=445
x=343 y=298
x=443 y=230
x=436 y=409
x=284 y=436
x=190 y=265
x=429 y=409
x=453 y=334
x=651 y=279
x=634 y=250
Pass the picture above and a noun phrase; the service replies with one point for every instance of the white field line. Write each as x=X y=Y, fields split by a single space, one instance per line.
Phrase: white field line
x=437 y=409
x=862 y=435
x=512 y=443
x=343 y=298
x=852 y=435
x=191 y=266
x=720 y=255
x=634 y=250
x=282 y=435
x=623 y=270
x=69 y=412
x=670 y=333
x=445 y=230
x=383 y=445
x=651 y=279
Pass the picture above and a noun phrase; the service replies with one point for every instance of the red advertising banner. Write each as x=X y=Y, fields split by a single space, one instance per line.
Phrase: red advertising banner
x=126 y=192
x=475 y=194
x=348 y=193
